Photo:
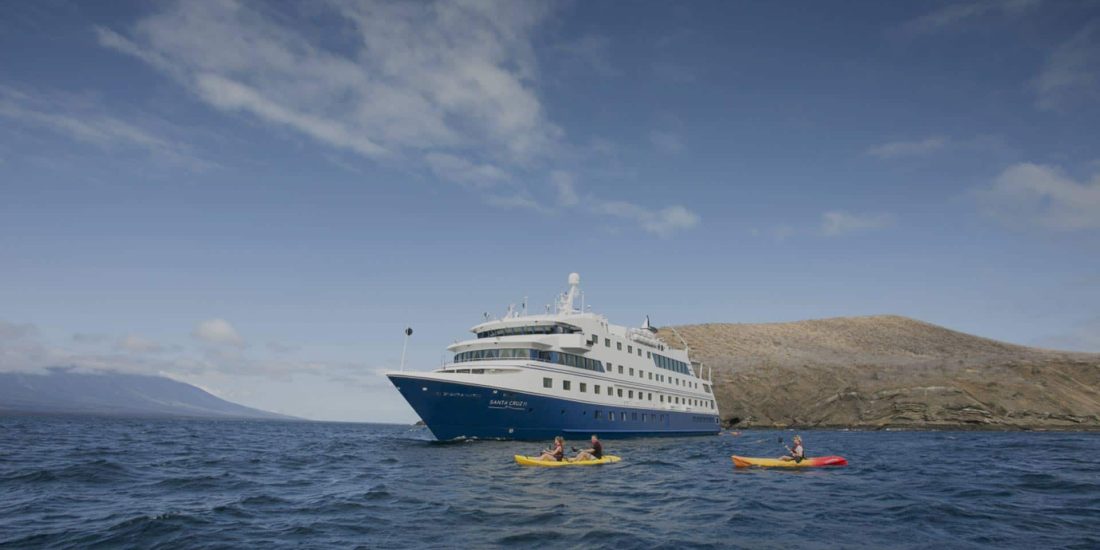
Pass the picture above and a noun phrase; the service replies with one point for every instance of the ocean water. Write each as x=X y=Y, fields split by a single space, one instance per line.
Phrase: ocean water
x=87 y=482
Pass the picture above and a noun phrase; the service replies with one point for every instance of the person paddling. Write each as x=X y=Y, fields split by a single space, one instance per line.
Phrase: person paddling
x=555 y=454
x=797 y=453
x=594 y=452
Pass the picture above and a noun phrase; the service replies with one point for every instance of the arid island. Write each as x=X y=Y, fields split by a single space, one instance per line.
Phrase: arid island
x=886 y=372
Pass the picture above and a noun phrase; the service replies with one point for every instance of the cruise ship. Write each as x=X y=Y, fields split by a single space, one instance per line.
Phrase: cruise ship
x=567 y=372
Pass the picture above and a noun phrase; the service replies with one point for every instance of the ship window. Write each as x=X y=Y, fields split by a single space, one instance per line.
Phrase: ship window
x=584 y=387
x=606 y=342
x=632 y=371
x=620 y=369
x=565 y=384
x=596 y=389
x=630 y=394
x=641 y=374
x=633 y=416
x=651 y=376
x=649 y=396
x=661 y=398
x=647 y=355
x=611 y=415
x=619 y=391
x=643 y=417
x=630 y=349
x=596 y=415
x=619 y=346
x=548 y=382
x=639 y=352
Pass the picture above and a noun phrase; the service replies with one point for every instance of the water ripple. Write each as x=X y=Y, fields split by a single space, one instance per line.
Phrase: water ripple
x=205 y=484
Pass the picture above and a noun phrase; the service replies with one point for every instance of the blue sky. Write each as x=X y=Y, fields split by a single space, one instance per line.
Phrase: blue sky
x=257 y=198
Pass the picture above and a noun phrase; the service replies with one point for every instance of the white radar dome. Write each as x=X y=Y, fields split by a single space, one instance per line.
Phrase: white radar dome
x=574 y=278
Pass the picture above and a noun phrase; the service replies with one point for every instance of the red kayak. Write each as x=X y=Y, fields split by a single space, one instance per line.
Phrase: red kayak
x=809 y=462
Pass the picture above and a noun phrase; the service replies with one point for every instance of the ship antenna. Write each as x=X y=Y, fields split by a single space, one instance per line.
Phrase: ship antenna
x=566 y=304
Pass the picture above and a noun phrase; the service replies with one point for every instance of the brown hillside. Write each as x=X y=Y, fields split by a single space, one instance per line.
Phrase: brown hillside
x=889 y=371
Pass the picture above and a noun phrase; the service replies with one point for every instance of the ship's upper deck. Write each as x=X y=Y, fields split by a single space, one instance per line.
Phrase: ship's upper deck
x=573 y=331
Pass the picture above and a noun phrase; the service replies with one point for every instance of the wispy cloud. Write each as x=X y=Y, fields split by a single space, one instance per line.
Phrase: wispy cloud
x=1071 y=74
x=1043 y=196
x=24 y=349
x=91 y=126
x=138 y=344
x=564 y=183
x=446 y=88
x=663 y=222
x=835 y=223
x=517 y=201
x=899 y=149
x=218 y=332
x=431 y=76
x=461 y=170
x=954 y=14
x=666 y=142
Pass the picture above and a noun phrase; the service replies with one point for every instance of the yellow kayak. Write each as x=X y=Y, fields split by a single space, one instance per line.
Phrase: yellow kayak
x=809 y=462
x=534 y=461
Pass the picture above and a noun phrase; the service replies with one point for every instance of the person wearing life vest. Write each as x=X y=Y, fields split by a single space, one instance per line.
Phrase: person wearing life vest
x=557 y=453
x=797 y=453
x=594 y=452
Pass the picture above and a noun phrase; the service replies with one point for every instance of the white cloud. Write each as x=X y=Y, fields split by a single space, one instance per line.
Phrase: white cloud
x=229 y=95
x=663 y=223
x=218 y=331
x=430 y=76
x=564 y=183
x=448 y=88
x=516 y=201
x=460 y=170
x=835 y=223
x=87 y=125
x=898 y=149
x=1043 y=196
x=137 y=344
x=666 y=142
x=1071 y=75
x=954 y=14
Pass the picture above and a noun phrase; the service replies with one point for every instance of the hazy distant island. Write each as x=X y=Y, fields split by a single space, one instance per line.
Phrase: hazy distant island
x=68 y=391
x=889 y=372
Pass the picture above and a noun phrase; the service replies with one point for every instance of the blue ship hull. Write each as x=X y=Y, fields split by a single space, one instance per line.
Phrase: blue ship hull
x=454 y=410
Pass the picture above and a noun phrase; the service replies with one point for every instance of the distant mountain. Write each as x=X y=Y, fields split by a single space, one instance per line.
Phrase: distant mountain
x=889 y=372
x=106 y=393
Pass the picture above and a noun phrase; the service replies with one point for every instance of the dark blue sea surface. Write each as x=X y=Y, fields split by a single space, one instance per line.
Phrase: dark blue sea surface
x=85 y=482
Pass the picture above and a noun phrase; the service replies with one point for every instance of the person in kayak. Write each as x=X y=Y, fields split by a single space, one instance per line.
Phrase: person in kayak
x=555 y=454
x=797 y=453
x=595 y=452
